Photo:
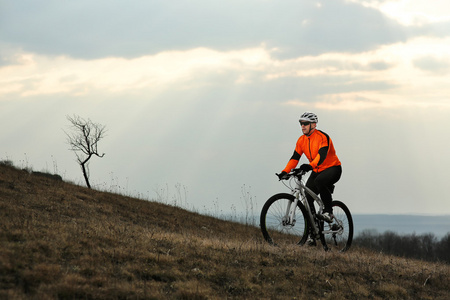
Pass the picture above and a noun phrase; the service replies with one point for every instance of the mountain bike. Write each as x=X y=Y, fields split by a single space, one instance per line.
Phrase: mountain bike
x=288 y=219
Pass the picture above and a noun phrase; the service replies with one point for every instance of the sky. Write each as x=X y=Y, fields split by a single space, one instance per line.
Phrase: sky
x=201 y=98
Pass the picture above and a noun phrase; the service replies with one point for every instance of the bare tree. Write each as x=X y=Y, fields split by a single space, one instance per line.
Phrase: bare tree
x=83 y=140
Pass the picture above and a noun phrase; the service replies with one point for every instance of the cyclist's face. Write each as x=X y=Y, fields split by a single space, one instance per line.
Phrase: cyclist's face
x=307 y=129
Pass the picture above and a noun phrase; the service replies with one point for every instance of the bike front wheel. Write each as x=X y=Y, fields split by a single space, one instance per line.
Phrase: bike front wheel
x=338 y=235
x=276 y=228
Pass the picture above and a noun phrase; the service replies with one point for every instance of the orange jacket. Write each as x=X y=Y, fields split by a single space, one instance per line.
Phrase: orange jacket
x=319 y=150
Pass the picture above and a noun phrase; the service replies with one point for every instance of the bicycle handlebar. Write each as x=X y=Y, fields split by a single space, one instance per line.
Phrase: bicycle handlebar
x=295 y=172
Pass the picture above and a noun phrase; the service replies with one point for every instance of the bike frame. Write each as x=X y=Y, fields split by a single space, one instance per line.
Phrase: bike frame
x=299 y=193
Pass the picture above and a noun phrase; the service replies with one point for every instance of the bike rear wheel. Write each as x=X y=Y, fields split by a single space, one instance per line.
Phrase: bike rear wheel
x=275 y=228
x=338 y=235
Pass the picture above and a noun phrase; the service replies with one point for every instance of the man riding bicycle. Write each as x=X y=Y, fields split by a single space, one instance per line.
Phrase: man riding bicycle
x=323 y=162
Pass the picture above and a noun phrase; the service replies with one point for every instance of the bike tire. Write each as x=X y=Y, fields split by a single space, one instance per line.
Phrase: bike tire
x=271 y=222
x=337 y=235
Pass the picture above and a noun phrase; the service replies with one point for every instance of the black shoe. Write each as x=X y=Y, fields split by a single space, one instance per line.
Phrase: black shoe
x=326 y=216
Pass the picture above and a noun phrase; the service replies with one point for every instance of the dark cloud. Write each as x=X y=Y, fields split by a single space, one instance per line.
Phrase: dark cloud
x=379 y=65
x=276 y=91
x=375 y=65
x=340 y=27
x=433 y=64
x=92 y=29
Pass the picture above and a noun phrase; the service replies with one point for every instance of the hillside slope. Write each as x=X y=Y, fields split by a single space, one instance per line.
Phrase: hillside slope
x=61 y=241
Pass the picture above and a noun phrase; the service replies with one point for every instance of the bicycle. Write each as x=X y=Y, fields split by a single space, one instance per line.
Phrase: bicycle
x=287 y=218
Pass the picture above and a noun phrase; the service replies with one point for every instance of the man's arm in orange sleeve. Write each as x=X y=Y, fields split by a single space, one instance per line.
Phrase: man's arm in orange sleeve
x=323 y=152
x=293 y=162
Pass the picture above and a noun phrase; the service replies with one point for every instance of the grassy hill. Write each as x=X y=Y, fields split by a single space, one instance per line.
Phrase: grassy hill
x=62 y=241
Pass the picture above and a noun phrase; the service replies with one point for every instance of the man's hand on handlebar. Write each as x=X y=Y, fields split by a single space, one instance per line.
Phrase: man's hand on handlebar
x=283 y=175
x=306 y=168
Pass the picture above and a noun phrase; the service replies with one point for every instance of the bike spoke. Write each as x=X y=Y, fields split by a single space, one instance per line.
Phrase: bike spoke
x=276 y=226
x=339 y=234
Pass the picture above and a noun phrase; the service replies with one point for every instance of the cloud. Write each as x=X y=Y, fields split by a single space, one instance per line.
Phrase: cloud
x=90 y=30
x=439 y=66
x=250 y=75
x=254 y=75
x=414 y=13
x=40 y=74
x=336 y=26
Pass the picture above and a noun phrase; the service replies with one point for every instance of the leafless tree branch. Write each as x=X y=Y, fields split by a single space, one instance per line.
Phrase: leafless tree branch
x=83 y=141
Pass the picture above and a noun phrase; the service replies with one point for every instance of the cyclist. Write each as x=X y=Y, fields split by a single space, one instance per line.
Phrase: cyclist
x=323 y=162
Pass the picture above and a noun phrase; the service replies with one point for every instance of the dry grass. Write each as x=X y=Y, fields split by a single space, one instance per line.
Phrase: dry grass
x=61 y=241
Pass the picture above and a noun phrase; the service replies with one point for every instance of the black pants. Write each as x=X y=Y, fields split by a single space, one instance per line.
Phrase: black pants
x=322 y=184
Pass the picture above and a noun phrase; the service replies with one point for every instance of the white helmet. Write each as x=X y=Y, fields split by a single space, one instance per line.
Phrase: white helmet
x=309 y=117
